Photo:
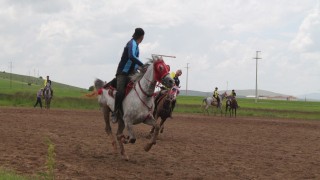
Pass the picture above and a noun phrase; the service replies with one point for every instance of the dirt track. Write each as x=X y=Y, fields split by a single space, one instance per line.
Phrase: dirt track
x=192 y=147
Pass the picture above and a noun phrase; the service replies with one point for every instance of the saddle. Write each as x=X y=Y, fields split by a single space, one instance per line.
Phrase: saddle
x=111 y=86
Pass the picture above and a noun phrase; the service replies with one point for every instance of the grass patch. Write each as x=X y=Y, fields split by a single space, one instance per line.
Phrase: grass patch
x=50 y=162
x=47 y=175
x=11 y=175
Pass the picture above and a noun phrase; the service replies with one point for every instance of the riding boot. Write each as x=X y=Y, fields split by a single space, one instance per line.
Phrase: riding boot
x=116 y=114
x=156 y=101
x=172 y=107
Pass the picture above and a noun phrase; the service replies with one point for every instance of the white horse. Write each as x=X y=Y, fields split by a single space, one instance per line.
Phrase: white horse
x=47 y=94
x=210 y=101
x=138 y=105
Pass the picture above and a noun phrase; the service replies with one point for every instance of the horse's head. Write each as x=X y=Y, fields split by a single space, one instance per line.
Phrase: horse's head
x=225 y=94
x=161 y=73
x=173 y=93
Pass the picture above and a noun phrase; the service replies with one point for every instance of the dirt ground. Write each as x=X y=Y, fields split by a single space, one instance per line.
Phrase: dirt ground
x=191 y=147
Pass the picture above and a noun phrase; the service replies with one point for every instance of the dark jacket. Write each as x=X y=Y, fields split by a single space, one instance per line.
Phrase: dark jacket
x=176 y=81
x=129 y=58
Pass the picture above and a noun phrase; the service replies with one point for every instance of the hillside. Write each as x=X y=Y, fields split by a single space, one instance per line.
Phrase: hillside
x=12 y=83
x=240 y=93
x=32 y=80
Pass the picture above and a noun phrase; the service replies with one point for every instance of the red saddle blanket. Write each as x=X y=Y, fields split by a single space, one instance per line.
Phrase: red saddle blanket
x=111 y=89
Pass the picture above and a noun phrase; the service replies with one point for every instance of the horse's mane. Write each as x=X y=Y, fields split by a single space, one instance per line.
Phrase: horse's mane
x=139 y=74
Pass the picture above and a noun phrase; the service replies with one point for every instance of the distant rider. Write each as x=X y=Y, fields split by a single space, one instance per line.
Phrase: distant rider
x=216 y=96
x=175 y=76
x=47 y=84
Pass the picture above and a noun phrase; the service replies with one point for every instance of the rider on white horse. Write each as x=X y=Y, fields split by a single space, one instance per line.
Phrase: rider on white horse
x=127 y=66
x=47 y=84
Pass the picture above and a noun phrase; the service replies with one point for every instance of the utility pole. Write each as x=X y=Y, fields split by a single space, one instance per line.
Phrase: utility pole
x=10 y=74
x=187 y=78
x=227 y=85
x=256 y=58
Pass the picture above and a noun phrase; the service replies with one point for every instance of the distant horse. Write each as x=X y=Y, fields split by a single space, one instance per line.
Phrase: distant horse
x=232 y=106
x=47 y=94
x=210 y=101
x=138 y=104
x=164 y=106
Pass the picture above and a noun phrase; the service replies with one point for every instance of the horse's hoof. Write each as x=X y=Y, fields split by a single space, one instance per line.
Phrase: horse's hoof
x=125 y=157
x=132 y=141
x=147 y=147
x=148 y=136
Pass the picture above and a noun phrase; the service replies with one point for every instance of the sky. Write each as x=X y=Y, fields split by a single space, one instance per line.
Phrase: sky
x=76 y=41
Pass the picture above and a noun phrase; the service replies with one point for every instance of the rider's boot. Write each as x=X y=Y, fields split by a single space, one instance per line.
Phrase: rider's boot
x=172 y=108
x=156 y=99
x=116 y=115
x=113 y=117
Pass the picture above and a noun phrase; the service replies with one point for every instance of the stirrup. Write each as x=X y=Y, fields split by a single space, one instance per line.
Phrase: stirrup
x=114 y=118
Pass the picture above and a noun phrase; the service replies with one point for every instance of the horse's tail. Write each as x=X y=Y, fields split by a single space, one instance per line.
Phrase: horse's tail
x=203 y=101
x=98 y=84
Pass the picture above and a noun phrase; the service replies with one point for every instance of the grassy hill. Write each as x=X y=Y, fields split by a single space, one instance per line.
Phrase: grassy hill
x=11 y=83
x=19 y=90
x=240 y=93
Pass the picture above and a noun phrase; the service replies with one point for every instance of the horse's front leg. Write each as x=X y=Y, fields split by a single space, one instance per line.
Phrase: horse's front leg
x=207 y=109
x=162 y=124
x=121 y=139
x=152 y=122
x=153 y=128
x=132 y=137
x=225 y=114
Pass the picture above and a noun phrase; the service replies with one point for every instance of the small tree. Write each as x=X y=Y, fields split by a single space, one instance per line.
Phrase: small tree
x=91 y=88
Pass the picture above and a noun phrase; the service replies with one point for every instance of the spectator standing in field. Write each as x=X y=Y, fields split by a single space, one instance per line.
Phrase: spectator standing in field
x=39 y=95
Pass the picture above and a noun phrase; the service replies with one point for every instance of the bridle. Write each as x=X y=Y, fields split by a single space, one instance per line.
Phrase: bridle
x=161 y=70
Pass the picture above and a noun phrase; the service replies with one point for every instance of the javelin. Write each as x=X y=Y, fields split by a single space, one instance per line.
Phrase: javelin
x=163 y=55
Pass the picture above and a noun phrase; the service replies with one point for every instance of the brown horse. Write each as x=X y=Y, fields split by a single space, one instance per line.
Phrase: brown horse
x=164 y=106
x=232 y=106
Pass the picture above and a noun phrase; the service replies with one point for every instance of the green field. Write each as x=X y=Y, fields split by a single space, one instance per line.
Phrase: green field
x=21 y=92
x=264 y=108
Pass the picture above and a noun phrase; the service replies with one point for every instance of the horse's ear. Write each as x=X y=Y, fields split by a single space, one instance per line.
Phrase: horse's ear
x=168 y=67
x=161 y=68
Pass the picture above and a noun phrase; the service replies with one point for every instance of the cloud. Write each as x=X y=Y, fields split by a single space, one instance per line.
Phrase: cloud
x=218 y=39
x=308 y=36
